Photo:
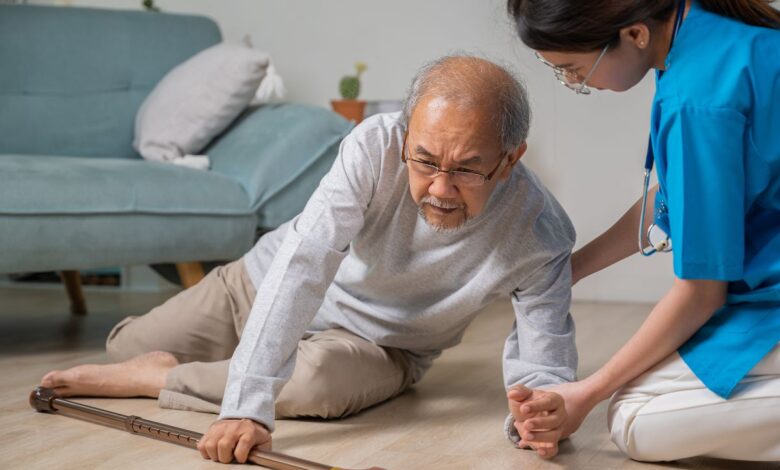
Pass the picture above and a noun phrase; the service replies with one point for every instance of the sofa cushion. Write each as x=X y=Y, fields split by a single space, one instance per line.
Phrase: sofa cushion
x=81 y=213
x=70 y=185
x=197 y=100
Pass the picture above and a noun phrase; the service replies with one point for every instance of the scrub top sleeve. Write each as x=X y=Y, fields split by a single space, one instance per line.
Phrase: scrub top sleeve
x=705 y=189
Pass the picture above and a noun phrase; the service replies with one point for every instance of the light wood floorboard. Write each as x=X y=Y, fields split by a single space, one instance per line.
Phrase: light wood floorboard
x=450 y=420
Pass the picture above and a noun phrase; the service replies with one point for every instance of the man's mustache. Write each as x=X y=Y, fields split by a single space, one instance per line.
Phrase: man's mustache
x=440 y=203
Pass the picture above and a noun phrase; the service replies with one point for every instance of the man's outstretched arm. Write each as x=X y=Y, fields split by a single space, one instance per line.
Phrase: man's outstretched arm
x=540 y=353
x=291 y=292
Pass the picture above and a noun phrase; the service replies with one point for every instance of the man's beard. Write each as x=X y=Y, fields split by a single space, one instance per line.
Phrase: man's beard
x=436 y=202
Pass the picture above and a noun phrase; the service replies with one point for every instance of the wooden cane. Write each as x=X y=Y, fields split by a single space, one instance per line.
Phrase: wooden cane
x=45 y=400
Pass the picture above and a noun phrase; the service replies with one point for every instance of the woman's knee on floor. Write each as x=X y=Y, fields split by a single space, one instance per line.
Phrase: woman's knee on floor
x=654 y=427
x=624 y=420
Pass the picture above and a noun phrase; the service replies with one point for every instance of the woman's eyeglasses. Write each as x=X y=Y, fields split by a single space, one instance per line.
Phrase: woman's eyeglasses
x=573 y=80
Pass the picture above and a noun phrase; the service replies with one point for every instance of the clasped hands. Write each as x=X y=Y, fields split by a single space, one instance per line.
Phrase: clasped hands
x=541 y=417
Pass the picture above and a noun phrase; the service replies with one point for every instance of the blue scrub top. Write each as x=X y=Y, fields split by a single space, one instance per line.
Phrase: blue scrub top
x=716 y=134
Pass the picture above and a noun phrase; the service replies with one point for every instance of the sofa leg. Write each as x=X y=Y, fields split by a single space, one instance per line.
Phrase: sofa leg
x=190 y=273
x=72 y=281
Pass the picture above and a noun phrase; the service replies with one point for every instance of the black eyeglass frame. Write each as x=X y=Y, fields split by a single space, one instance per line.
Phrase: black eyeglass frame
x=453 y=173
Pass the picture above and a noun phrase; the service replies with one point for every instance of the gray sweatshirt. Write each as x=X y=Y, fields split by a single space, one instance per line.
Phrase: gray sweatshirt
x=359 y=257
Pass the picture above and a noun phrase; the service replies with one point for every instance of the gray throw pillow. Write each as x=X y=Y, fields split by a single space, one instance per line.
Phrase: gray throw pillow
x=196 y=101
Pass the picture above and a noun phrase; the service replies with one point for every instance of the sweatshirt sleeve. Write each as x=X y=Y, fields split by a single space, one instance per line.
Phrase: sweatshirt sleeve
x=541 y=351
x=294 y=286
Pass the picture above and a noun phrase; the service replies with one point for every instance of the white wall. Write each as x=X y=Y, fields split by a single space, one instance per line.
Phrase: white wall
x=588 y=150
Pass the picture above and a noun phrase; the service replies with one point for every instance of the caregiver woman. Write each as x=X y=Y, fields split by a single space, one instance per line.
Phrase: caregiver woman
x=701 y=376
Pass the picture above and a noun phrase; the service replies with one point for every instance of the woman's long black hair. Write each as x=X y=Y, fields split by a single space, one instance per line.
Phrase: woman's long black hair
x=589 y=25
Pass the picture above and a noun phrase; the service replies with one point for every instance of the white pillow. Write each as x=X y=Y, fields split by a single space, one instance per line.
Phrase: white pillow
x=196 y=101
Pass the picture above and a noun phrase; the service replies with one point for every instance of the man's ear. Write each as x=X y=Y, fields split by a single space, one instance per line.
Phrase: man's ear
x=514 y=157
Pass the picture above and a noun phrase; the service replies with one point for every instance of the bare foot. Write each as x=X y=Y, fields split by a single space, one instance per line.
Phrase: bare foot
x=141 y=376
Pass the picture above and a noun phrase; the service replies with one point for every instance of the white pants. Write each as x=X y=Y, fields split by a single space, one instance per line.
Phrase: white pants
x=668 y=414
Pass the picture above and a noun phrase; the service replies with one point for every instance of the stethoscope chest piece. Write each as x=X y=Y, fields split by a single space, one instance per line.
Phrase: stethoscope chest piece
x=658 y=239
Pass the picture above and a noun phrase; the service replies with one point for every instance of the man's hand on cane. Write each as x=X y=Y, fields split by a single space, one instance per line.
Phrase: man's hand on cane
x=229 y=438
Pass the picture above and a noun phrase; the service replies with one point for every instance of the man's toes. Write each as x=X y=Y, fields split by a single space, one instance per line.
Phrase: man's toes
x=74 y=376
x=52 y=379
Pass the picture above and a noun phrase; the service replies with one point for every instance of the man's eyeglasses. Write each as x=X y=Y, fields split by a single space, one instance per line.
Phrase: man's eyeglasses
x=459 y=177
x=573 y=80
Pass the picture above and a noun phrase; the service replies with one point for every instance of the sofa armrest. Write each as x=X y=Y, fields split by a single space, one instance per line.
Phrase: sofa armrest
x=269 y=148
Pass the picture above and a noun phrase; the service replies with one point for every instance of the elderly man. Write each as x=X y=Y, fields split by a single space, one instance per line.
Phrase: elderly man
x=425 y=218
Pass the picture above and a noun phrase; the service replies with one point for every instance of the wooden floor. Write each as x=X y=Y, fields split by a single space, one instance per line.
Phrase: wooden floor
x=451 y=420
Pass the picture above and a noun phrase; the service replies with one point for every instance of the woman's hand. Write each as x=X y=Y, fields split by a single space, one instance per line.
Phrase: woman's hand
x=579 y=403
x=227 y=438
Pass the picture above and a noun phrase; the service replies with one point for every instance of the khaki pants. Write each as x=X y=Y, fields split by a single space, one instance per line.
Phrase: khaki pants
x=668 y=414
x=336 y=372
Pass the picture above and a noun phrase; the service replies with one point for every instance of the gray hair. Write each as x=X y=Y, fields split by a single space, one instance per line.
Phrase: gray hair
x=495 y=82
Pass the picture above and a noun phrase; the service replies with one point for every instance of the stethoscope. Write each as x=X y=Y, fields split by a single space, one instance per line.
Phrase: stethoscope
x=663 y=243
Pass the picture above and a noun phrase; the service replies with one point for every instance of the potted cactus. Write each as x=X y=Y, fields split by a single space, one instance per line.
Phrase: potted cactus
x=349 y=87
x=150 y=6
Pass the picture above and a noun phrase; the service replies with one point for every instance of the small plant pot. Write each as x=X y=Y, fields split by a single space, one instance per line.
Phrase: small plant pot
x=352 y=110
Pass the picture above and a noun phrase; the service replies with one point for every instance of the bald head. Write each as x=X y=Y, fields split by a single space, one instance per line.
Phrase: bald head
x=476 y=84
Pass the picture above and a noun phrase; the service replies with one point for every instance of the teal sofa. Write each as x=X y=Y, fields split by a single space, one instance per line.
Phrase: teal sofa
x=75 y=195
